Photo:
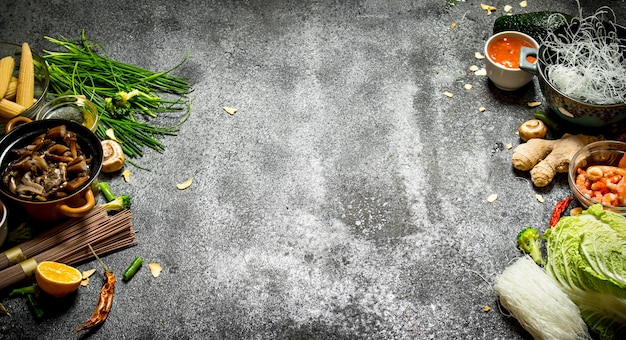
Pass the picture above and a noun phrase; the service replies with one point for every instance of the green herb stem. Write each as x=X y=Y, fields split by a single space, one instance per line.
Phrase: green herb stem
x=23 y=291
x=83 y=67
x=132 y=268
x=34 y=306
x=106 y=191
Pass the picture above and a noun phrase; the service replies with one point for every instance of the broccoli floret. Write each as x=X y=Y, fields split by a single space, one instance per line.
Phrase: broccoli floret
x=122 y=98
x=528 y=241
x=121 y=202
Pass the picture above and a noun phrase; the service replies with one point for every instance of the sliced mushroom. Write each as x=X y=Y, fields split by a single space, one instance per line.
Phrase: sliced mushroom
x=78 y=159
x=37 y=141
x=53 y=180
x=42 y=145
x=74 y=184
x=62 y=171
x=23 y=152
x=40 y=163
x=29 y=189
x=72 y=142
x=114 y=158
x=57 y=132
x=77 y=167
x=57 y=158
x=20 y=164
x=12 y=184
x=58 y=149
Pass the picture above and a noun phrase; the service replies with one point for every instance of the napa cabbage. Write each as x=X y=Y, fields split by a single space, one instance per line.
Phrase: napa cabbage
x=586 y=255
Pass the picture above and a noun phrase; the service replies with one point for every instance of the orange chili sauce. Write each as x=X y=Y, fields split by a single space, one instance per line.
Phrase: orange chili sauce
x=505 y=51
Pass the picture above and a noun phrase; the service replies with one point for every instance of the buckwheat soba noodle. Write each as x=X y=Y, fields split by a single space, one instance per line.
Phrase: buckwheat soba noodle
x=68 y=243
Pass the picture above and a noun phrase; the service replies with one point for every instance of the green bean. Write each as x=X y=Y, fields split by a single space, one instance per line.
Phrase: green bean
x=23 y=291
x=132 y=269
x=546 y=119
x=106 y=190
x=34 y=306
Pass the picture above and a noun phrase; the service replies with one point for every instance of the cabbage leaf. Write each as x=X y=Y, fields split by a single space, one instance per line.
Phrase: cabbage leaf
x=586 y=255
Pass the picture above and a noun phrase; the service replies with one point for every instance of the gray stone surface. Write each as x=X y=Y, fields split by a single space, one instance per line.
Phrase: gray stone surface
x=345 y=199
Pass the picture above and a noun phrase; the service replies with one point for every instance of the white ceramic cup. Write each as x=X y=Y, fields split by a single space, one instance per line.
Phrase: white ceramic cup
x=506 y=78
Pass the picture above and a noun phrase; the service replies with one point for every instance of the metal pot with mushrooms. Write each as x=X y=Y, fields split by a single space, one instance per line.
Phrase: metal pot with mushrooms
x=52 y=166
x=48 y=167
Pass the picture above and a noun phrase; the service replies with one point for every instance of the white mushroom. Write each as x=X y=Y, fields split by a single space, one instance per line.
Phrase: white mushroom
x=533 y=128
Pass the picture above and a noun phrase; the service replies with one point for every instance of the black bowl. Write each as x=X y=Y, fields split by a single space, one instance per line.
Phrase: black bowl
x=78 y=203
x=570 y=109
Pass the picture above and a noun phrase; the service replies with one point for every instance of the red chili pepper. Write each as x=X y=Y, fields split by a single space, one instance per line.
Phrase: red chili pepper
x=559 y=209
x=105 y=301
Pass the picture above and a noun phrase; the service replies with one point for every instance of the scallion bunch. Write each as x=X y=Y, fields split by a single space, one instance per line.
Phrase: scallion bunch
x=128 y=97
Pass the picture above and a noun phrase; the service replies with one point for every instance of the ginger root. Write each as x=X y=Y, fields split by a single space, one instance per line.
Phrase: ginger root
x=544 y=158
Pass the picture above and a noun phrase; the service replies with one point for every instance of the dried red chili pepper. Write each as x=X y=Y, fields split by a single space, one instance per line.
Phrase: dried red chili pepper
x=105 y=301
x=558 y=210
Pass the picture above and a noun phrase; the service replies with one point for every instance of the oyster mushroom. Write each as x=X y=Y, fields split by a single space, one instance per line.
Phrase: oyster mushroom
x=53 y=179
x=58 y=149
x=52 y=166
x=72 y=142
x=78 y=167
x=57 y=132
x=28 y=188
x=57 y=158
x=11 y=183
x=40 y=163
x=74 y=184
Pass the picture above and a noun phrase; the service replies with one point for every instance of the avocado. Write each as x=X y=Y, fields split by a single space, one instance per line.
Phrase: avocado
x=535 y=24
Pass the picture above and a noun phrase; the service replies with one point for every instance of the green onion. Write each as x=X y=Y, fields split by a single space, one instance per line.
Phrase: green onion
x=34 y=306
x=128 y=97
x=546 y=119
x=106 y=190
x=132 y=269
x=23 y=291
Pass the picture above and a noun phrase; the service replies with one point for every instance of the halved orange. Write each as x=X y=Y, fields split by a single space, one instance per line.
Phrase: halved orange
x=57 y=279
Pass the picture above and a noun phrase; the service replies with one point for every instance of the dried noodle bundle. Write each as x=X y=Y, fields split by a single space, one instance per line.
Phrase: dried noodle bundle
x=104 y=233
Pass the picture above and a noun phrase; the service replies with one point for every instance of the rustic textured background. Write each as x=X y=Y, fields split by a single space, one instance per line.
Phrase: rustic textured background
x=347 y=196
